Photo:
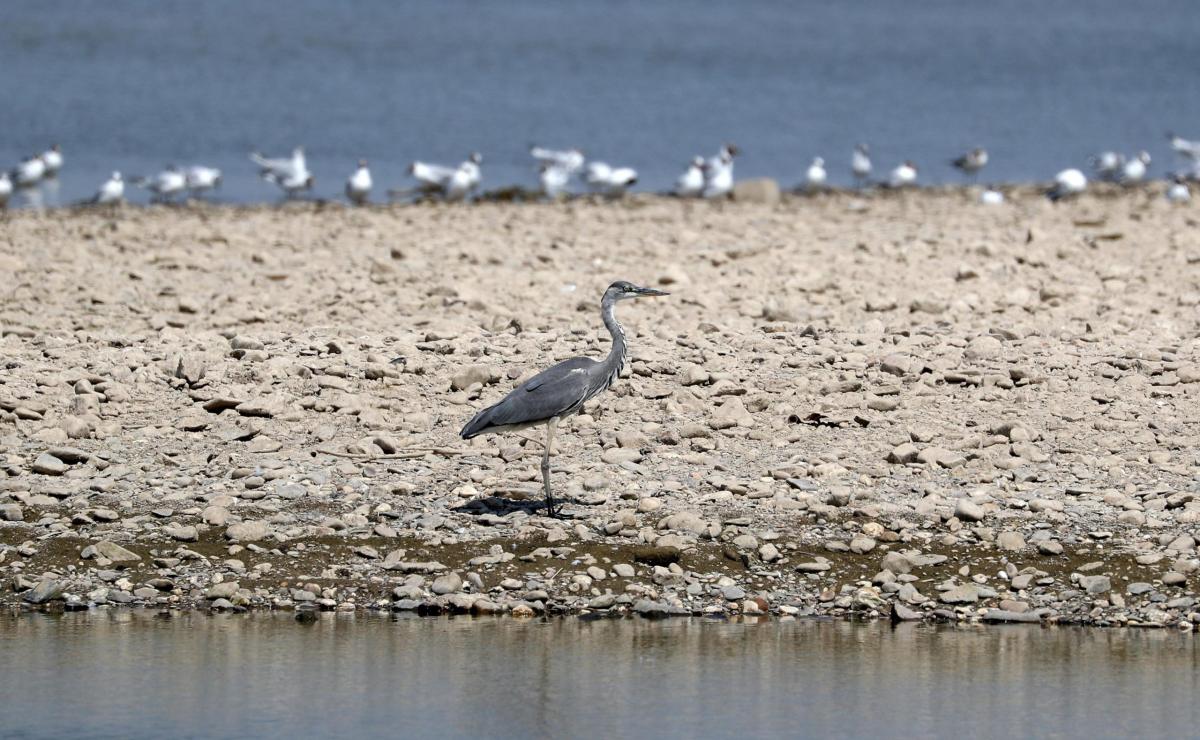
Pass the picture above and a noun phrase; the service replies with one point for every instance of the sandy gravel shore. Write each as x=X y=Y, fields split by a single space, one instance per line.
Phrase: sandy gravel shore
x=906 y=404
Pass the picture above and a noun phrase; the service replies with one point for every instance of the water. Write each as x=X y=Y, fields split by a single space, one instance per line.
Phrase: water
x=134 y=85
x=131 y=674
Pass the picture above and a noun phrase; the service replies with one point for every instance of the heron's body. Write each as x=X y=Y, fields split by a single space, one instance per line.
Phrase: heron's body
x=563 y=389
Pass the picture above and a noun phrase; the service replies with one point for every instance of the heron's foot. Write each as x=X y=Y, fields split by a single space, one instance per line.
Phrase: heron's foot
x=554 y=509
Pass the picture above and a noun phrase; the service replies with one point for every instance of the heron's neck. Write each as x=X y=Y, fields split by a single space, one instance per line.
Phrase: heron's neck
x=616 y=355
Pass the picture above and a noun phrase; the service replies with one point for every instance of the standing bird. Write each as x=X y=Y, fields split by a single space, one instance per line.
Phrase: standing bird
x=814 y=178
x=358 y=186
x=52 y=158
x=111 y=192
x=691 y=183
x=6 y=188
x=1067 y=183
x=1107 y=165
x=554 y=179
x=165 y=185
x=561 y=390
x=972 y=162
x=569 y=160
x=903 y=176
x=201 y=179
x=718 y=173
x=1134 y=170
x=289 y=173
x=602 y=177
x=453 y=183
x=860 y=164
x=1178 y=192
x=29 y=172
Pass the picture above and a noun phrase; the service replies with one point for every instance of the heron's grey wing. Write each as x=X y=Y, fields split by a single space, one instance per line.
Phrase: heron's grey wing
x=550 y=393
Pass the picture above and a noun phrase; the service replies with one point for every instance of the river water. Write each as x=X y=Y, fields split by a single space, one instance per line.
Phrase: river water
x=133 y=674
x=135 y=85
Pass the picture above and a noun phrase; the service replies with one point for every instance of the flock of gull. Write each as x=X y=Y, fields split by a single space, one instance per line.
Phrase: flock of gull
x=703 y=177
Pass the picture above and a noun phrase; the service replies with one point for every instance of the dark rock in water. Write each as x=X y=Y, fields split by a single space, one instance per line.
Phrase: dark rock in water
x=651 y=555
x=405 y=605
x=306 y=616
x=47 y=590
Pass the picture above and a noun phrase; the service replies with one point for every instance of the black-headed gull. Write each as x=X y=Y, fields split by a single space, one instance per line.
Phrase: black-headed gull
x=29 y=172
x=359 y=184
x=6 y=189
x=111 y=191
x=201 y=179
x=1067 y=183
x=1107 y=165
x=1178 y=191
x=860 y=164
x=52 y=158
x=904 y=175
x=602 y=177
x=972 y=162
x=691 y=183
x=815 y=176
x=282 y=167
x=1185 y=148
x=554 y=179
x=165 y=185
x=290 y=174
x=569 y=160
x=454 y=183
x=718 y=173
x=1134 y=170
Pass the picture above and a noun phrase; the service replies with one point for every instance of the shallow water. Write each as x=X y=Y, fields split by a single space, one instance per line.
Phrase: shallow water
x=134 y=85
x=131 y=674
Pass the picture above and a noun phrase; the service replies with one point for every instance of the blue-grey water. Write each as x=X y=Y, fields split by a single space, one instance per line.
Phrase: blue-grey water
x=132 y=674
x=135 y=84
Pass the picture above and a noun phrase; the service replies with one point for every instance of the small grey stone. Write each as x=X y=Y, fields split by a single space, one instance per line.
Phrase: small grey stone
x=222 y=590
x=1138 y=588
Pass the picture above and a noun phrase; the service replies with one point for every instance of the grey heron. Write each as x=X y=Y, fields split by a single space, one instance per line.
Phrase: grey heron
x=563 y=389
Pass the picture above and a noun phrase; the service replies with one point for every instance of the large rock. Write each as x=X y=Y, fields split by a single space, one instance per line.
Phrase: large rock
x=472 y=374
x=110 y=551
x=251 y=531
x=47 y=590
x=47 y=464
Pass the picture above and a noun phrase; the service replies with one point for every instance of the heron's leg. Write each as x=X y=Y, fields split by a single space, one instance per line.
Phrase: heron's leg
x=550 y=425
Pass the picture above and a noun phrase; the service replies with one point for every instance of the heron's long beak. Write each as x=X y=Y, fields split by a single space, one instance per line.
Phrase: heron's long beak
x=651 y=292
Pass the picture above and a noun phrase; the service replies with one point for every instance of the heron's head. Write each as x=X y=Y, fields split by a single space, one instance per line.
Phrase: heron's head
x=622 y=290
x=476 y=157
x=362 y=163
x=116 y=176
x=863 y=149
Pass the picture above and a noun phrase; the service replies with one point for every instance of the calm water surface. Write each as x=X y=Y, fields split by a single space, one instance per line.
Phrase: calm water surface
x=133 y=675
x=134 y=85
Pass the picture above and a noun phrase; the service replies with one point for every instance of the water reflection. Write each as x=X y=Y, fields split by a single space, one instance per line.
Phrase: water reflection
x=271 y=676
